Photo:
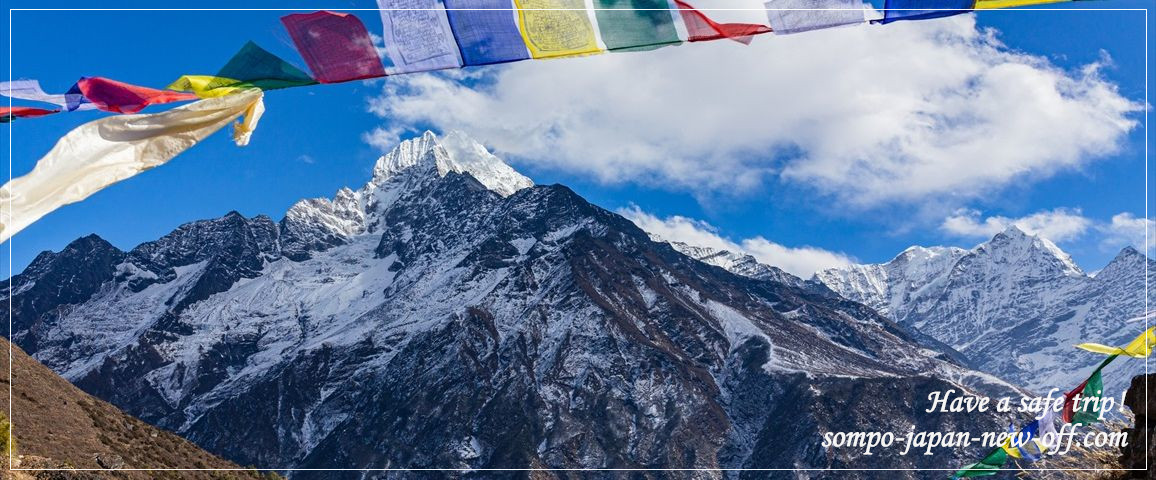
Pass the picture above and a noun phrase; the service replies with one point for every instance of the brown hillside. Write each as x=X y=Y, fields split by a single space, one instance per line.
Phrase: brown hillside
x=56 y=425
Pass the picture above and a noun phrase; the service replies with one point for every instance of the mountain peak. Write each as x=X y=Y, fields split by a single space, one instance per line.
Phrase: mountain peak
x=1013 y=241
x=454 y=152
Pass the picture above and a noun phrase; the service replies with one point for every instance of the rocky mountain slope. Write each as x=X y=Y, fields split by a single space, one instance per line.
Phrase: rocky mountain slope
x=452 y=314
x=1014 y=305
x=56 y=425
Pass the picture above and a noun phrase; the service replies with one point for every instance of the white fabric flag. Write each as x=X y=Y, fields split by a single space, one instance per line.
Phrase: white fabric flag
x=417 y=36
x=794 y=16
x=103 y=152
x=30 y=90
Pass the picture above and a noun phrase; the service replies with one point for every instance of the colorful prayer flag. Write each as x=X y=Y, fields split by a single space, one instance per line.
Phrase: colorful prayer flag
x=7 y=114
x=1011 y=3
x=990 y=465
x=1024 y=444
x=486 y=31
x=1092 y=387
x=251 y=67
x=105 y=151
x=208 y=86
x=700 y=28
x=635 y=25
x=795 y=16
x=923 y=9
x=336 y=46
x=30 y=90
x=113 y=96
x=1140 y=347
x=557 y=28
x=417 y=36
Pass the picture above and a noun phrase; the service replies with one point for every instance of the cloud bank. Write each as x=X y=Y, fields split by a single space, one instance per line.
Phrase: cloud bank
x=867 y=116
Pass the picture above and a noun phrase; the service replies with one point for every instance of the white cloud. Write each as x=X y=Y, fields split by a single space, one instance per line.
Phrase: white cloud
x=1126 y=229
x=869 y=115
x=1059 y=225
x=800 y=261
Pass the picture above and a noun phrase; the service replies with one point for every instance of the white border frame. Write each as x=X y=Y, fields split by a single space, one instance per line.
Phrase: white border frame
x=1144 y=251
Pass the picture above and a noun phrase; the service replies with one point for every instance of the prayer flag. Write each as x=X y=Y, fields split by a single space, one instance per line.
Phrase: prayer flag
x=7 y=114
x=76 y=101
x=251 y=67
x=30 y=90
x=795 y=16
x=1024 y=444
x=417 y=36
x=120 y=97
x=990 y=465
x=1092 y=387
x=486 y=31
x=105 y=151
x=700 y=28
x=635 y=25
x=1140 y=347
x=208 y=86
x=1011 y=3
x=923 y=9
x=557 y=28
x=336 y=46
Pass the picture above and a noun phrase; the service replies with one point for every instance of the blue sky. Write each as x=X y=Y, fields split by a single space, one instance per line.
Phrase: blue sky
x=315 y=140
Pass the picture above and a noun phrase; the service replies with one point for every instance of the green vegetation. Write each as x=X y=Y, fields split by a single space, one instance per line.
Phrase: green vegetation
x=7 y=444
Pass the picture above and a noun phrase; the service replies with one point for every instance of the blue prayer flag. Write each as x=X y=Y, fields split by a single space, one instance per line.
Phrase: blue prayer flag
x=923 y=9
x=487 y=32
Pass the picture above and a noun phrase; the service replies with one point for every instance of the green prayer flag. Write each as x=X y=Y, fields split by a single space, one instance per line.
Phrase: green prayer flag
x=253 y=66
x=1089 y=413
x=635 y=25
x=990 y=465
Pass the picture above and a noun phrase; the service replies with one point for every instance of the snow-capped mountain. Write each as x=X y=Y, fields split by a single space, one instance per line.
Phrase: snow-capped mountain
x=1014 y=305
x=450 y=313
x=737 y=263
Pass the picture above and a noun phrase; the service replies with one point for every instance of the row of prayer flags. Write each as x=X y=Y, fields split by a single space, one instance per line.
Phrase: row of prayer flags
x=425 y=35
x=87 y=94
x=1081 y=406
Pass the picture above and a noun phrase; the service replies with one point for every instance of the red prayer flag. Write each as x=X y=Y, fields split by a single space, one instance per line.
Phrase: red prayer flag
x=700 y=28
x=1070 y=403
x=336 y=46
x=120 y=97
x=9 y=113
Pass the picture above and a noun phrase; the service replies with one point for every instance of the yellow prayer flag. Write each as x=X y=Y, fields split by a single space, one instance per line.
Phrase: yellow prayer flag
x=1013 y=452
x=557 y=28
x=982 y=4
x=208 y=86
x=1141 y=347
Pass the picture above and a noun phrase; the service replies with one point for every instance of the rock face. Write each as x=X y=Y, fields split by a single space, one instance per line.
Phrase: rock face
x=1140 y=436
x=1014 y=306
x=452 y=314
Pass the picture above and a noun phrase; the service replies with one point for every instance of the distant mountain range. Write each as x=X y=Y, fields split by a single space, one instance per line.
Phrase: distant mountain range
x=450 y=313
x=1013 y=306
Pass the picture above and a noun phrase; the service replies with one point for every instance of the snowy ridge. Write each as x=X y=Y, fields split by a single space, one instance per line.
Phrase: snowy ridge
x=1014 y=305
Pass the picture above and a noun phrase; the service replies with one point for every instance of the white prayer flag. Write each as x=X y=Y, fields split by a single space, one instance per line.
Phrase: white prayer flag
x=417 y=36
x=30 y=90
x=794 y=16
x=103 y=152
